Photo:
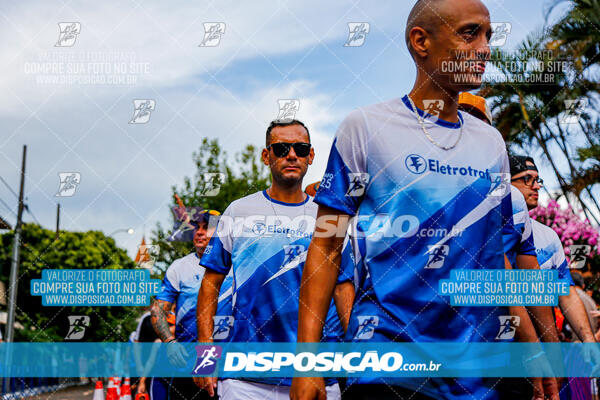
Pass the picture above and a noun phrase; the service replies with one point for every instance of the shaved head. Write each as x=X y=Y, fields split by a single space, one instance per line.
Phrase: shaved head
x=449 y=42
x=427 y=14
x=431 y=15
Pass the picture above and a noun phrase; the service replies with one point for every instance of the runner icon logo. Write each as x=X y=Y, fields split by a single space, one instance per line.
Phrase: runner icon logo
x=77 y=325
x=287 y=109
x=206 y=363
x=500 y=184
x=579 y=253
x=366 y=326
x=358 y=183
x=212 y=182
x=212 y=34
x=357 y=33
x=508 y=327
x=500 y=32
x=142 y=109
x=437 y=255
x=68 y=34
x=68 y=183
x=222 y=326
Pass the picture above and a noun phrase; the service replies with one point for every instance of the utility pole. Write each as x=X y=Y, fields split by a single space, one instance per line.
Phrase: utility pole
x=57 y=219
x=14 y=277
x=16 y=252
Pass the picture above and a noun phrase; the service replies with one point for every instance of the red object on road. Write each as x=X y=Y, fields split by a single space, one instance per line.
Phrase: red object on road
x=111 y=391
x=98 y=391
x=142 y=396
x=125 y=390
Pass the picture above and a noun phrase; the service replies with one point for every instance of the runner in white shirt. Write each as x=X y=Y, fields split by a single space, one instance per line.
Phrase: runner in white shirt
x=549 y=249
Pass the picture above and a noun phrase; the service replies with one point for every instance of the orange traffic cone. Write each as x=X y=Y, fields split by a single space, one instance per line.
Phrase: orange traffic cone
x=99 y=391
x=126 y=390
x=142 y=396
x=118 y=386
x=111 y=391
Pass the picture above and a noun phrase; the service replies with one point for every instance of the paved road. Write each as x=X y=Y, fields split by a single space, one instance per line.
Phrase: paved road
x=73 y=393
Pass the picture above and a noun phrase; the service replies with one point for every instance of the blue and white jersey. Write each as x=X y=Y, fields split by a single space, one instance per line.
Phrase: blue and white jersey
x=223 y=319
x=517 y=236
x=549 y=250
x=180 y=286
x=263 y=243
x=421 y=211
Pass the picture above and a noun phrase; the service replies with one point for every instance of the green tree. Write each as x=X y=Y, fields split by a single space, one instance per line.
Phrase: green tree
x=243 y=175
x=73 y=250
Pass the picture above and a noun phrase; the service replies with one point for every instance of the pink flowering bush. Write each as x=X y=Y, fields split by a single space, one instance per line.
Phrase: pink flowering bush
x=570 y=228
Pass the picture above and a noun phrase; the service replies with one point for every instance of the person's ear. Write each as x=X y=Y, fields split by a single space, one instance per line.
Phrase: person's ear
x=311 y=156
x=265 y=156
x=419 y=41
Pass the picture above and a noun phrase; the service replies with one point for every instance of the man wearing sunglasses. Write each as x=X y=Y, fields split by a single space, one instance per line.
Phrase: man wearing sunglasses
x=263 y=240
x=549 y=249
x=180 y=287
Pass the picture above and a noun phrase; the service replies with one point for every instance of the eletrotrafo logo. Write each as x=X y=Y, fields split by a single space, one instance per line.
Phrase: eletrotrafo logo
x=415 y=163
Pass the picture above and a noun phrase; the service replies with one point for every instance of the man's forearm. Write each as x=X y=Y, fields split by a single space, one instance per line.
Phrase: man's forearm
x=574 y=311
x=343 y=296
x=208 y=299
x=316 y=289
x=541 y=316
x=158 y=313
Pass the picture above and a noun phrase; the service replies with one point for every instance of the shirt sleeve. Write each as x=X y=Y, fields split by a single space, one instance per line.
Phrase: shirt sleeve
x=522 y=223
x=347 y=264
x=344 y=184
x=217 y=255
x=169 y=289
x=560 y=262
x=507 y=204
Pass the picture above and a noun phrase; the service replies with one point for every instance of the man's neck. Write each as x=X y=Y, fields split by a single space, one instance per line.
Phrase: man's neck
x=287 y=194
x=428 y=90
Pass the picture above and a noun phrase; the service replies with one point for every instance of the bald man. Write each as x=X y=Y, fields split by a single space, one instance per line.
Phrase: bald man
x=426 y=206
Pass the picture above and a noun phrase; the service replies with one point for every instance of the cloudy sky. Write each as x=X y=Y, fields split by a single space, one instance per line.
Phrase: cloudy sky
x=71 y=104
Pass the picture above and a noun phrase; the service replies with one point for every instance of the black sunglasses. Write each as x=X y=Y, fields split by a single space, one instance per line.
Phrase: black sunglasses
x=282 y=149
x=528 y=180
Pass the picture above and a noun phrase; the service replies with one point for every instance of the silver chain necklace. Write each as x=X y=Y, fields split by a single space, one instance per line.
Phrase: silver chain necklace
x=427 y=135
x=288 y=235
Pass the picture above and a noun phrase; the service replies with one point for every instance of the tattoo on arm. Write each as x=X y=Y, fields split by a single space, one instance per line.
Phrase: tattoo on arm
x=159 y=311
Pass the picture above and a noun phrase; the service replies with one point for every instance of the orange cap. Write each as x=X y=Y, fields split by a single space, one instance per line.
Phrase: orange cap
x=171 y=318
x=477 y=102
x=311 y=189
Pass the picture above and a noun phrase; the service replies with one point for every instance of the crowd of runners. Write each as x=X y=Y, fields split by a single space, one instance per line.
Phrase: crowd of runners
x=432 y=154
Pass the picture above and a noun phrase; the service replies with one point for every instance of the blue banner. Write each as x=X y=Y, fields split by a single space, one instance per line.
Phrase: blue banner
x=303 y=359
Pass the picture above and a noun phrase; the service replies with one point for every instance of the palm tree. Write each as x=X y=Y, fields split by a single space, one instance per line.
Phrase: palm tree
x=577 y=31
x=528 y=113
